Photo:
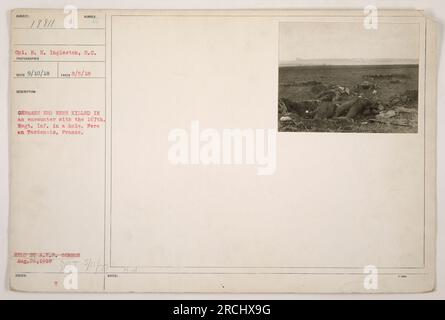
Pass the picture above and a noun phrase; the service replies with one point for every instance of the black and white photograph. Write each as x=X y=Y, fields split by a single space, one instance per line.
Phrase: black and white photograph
x=343 y=77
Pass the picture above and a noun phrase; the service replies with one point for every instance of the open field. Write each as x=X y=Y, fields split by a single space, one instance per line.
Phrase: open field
x=364 y=98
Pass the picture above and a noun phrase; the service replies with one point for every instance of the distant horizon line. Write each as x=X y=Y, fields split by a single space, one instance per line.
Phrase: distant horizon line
x=349 y=65
x=348 y=62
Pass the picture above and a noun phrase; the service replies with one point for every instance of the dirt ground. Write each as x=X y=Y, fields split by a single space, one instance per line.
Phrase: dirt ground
x=391 y=92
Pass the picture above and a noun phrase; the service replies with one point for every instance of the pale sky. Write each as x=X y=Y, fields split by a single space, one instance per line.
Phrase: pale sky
x=338 y=40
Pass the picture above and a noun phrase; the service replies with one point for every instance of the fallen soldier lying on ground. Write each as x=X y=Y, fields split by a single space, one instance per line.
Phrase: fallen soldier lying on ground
x=315 y=109
x=355 y=107
x=304 y=109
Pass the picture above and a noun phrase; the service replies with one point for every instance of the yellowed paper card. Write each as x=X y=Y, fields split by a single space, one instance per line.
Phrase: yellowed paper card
x=222 y=151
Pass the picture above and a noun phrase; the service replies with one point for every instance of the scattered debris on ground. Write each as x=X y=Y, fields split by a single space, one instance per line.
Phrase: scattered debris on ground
x=369 y=105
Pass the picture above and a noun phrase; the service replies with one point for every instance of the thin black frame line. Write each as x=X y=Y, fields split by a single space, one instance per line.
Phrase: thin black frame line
x=111 y=143
x=424 y=150
x=235 y=15
x=30 y=61
x=59 y=44
x=111 y=131
x=59 y=78
x=255 y=267
x=48 y=29
x=105 y=159
x=225 y=273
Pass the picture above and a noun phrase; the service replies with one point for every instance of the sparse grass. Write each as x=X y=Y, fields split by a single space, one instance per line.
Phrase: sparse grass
x=314 y=78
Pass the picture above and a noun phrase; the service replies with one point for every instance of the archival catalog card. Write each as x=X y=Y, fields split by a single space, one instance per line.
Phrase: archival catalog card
x=222 y=151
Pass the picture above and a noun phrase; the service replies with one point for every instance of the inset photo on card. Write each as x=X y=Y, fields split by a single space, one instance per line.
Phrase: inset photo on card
x=343 y=77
